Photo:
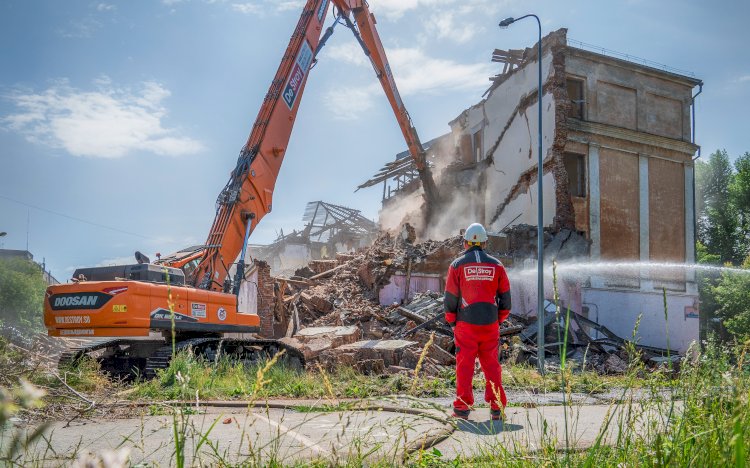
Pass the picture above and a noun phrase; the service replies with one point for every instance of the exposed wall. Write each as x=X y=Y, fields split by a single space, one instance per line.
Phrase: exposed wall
x=635 y=133
x=666 y=182
x=266 y=299
x=628 y=95
x=508 y=122
x=618 y=185
x=619 y=311
x=393 y=292
x=247 y=299
x=291 y=256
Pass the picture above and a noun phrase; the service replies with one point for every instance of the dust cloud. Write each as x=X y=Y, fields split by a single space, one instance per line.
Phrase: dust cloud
x=459 y=207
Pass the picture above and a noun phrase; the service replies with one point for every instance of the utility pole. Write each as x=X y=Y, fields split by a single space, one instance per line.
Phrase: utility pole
x=540 y=314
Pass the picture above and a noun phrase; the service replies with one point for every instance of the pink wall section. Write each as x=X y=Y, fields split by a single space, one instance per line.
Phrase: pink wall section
x=394 y=291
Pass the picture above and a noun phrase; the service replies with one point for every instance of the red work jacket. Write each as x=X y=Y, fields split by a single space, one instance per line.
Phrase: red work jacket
x=477 y=290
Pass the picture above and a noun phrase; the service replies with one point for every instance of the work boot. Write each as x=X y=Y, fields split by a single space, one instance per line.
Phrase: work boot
x=497 y=415
x=461 y=414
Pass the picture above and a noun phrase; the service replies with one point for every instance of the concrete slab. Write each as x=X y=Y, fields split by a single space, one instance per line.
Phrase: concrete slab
x=318 y=332
x=378 y=345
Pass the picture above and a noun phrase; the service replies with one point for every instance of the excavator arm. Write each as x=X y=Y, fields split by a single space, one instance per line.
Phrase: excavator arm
x=367 y=36
x=248 y=195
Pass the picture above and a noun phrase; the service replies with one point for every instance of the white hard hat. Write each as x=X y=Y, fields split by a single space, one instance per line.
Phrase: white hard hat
x=475 y=233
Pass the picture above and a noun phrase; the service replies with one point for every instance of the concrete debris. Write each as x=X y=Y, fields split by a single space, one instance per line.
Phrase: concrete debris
x=408 y=233
x=614 y=365
x=566 y=245
x=339 y=319
x=313 y=341
x=375 y=354
x=519 y=242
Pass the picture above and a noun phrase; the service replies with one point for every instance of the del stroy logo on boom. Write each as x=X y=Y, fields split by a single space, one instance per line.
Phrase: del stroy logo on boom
x=297 y=76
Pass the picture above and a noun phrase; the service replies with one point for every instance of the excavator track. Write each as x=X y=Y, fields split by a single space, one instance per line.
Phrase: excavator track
x=248 y=351
x=75 y=353
x=162 y=357
x=121 y=358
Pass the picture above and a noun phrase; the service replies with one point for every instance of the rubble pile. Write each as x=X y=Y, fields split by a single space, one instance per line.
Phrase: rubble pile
x=331 y=311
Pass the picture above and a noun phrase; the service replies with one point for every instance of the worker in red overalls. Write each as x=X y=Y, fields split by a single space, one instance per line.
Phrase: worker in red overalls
x=477 y=301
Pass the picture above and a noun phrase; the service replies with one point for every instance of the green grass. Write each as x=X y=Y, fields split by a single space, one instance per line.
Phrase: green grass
x=232 y=380
x=526 y=377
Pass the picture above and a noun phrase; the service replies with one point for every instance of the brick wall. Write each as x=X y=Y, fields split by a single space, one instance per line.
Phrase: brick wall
x=266 y=299
x=319 y=266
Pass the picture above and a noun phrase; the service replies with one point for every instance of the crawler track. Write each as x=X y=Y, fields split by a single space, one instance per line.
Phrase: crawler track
x=211 y=349
x=124 y=358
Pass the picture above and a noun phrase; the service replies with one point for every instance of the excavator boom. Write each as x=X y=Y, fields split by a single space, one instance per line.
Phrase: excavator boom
x=248 y=195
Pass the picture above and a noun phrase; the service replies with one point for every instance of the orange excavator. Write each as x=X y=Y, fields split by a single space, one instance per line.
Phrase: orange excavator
x=142 y=313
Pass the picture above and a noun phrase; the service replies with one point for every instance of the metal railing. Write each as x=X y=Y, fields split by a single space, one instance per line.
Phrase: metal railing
x=628 y=57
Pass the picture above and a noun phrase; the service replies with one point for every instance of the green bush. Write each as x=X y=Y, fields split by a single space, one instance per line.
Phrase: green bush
x=732 y=294
x=22 y=289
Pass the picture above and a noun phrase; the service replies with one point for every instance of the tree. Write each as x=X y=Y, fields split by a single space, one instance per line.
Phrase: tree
x=707 y=281
x=739 y=192
x=732 y=295
x=22 y=289
x=718 y=223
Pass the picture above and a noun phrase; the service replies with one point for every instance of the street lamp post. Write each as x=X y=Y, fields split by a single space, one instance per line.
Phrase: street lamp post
x=540 y=199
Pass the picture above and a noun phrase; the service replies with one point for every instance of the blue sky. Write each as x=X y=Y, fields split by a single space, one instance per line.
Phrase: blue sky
x=129 y=115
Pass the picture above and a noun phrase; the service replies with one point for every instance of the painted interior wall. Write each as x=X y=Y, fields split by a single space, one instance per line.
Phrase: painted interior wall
x=517 y=152
x=619 y=311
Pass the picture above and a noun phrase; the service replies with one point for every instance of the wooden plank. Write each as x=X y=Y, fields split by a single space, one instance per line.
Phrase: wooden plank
x=327 y=272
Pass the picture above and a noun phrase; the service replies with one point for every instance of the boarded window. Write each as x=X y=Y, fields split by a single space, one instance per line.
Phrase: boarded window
x=467 y=154
x=616 y=105
x=476 y=142
x=576 y=96
x=575 y=165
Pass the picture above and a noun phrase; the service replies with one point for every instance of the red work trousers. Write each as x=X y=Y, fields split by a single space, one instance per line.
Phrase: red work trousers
x=481 y=341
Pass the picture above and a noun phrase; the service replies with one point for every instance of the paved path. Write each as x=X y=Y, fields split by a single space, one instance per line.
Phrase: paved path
x=237 y=434
x=240 y=435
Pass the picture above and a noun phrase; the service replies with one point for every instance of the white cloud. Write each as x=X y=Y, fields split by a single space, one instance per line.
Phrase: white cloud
x=286 y=5
x=444 y=26
x=349 y=52
x=247 y=8
x=395 y=9
x=743 y=78
x=108 y=122
x=81 y=28
x=415 y=73
x=105 y=7
x=351 y=103
x=258 y=7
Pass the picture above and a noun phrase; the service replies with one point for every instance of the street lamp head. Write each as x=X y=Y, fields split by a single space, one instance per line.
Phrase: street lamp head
x=506 y=22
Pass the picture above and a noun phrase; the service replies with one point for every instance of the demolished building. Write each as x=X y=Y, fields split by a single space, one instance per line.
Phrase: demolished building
x=329 y=229
x=618 y=146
